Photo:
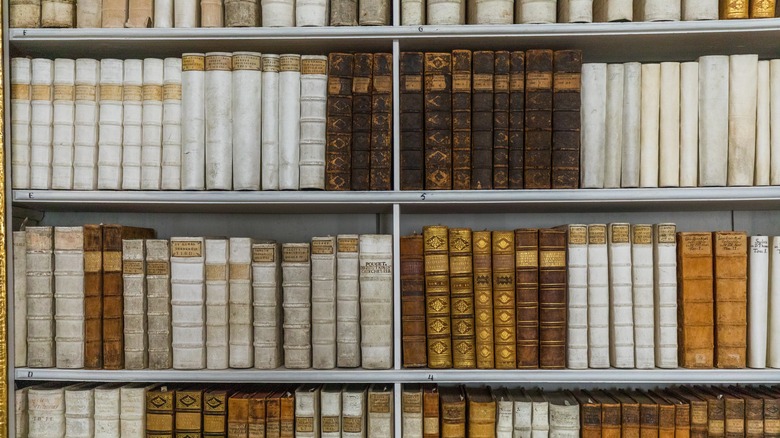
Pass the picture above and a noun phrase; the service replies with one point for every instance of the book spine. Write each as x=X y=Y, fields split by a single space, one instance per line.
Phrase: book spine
x=412 y=119
x=412 y=411
x=218 y=92
x=135 y=304
x=743 y=80
x=93 y=297
x=374 y=13
x=241 y=13
x=170 y=157
x=269 y=111
x=40 y=297
x=376 y=301
x=462 y=298
x=267 y=305
x=307 y=410
x=323 y=300
x=186 y=13
x=361 y=122
x=694 y=300
x=163 y=13
x=193 y=118
x=535 y=11
x=188 y=310
x=689 y=124
x=699 y=10
x=107 y=410
x=437 y=296
x=46 y=410
x=69 y=296
x=215 y=412
x=757 y=301
x=344 y=13
x=731 y=285
x=665 y=294
x=241 y=332
x=21 y=75
x=330 y=411
x=158 y=300
x=461 y=119
x=132 y=418
x=152 y=130
x=552 y=299
x=669 y=126
x=431 y=427
x=501 y=120
x=140 y=13
x=413 y=302
x=79 y=412
x=338 y=138
x=277 y=13
x=347 y=301
x=575 y=11
x=643 y=298
x=483 y=299
x=620 y=296
x=481 y=417
x=594 y=104
x=632 y=126
x=311 y=13
x=482 y=120
x=504 y=321
x=613 y=147
x=438 y=121
x=114 y=14
x=63 y=113
x=380 y=411
x=353 y=420
x=649 y=130
x=527 y=290
x=25 y=14
x=382 y=123
x=763 y=129
x=517 y=119
x=211 y=13
x=412 y=13
x=289 y=121
x=657 y=11
x=41 y=114
x=217 y=253
x=713 y=120
x=113 y=298
x=109 y=174
x=132 y=124
x=567 y=72
x=598 y=297
x=490 y=12
x=20 y=298
x=247 y=119
x=189 y=408
x=314 y=96
x=296 y=284
x=730 y=10
x=159 y=412
x=760 y=9
x=577 y=294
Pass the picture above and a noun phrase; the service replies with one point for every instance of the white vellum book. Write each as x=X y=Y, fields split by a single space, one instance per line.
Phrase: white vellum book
x=186 y=13
x=773 y=344
x=523 y=411
x=665 y=294
x=758 y=301
x=699 y=10
x=132 y=399
x=323 y=300
x=85 y=134
x=151 y=143
x=713 y=120
x=163 y=13
x=763 y=147
x=689 y=124
x=79 y=410
x=21 y=74
x=330 y=409
x=412 y=12
x=577 y=315
x=278 y=13
x=69 y=296
x=247 y=120
x=132 y=132
x=442 y=12
x=535 y=11
x=657 y=10
x=40 y=297
x=217 y=313
x=63 y=123
x=289 y=121
x=774 y=120
x=296 y=284
x=669 y=126
x=41 y=123
x=193 y=126
x=107 y=411
x=20 y=298
x=594 y=102
x=648 y=147
x=46 y=411
x=219 y=121
x=89 y=13
x=314 y=94
x=614 y=126
x=493 y=12
x=267 y=304
x=613 y=10
x=621 y=318
x=134 y=300
x=575 y=11
x=171 y=130
x=158 y=315
x=632 y=129
x=240 y=303
x=110 y=126
x=270 y=123
x=347 y=301
x=743 y=78
x=188 y=309
x=311 y=13
x=376 y=301
x=598 y=297
x=642 y=278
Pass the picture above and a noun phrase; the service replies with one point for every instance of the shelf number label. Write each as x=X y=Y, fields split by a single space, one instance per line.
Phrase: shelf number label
x=29 y=374
x=30 y=195
x=419 y=29
x=430 y=377
x=422 y=196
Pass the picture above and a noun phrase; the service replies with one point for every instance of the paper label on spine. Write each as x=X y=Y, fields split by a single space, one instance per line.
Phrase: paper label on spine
x=240 y=271
x=304 y=424
x=321 y=247
x=295 y=254
x=348 y=245
x=526 y=259
x=193 y=63
x=110 y=92
x=696 y=244
x=483 y=82
x=620 y=234
x=552 y=259
x=330 y=424
x=517 y=82
x=642 y=234
x=435 y=83
x=246 y=62
x=314 y=66
x=578 y=235
x=133 y=267
x=86 y=92
x=461 y=82
x=567 y=82
x=41 y=92
x=666 y=233
x=218 y=62
x=157 y=268
x=63 y=92
x=502 y=83
x=20 y=91
x=383 y=84
x=597 y=235
x=353 y=424
x=186 y=248
x=263 y=255
x=172 y=91
x=153 y=92
x=379 y=403
x=539 y=80
x=132 y=93
x=413 y=83
x=290 y=63
x=270 y=64
x=216 y=272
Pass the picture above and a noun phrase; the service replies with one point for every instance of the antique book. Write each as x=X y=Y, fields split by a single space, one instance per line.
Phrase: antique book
x=648 y=414
x=770 y=409
x=758 y=302
x=730 y=250
x=135 y=304
x=610 y=413
x=79 y=410
x=114 y=13
x=501 y=119
x=538 y=118
x=482 y=120
x=376 y=301
x=598 y=297
x=594 y=113
x=743 y=77
x=689 y=124
x=621 y=318
x=437 y=296
x=242 y=13
x=215 y=412
x=289 y=121
x=323 y=302
x=247 y=121
x=40 y=297
x=698 y=411
x=645 y=10
x=483 y=299
x=726 y=418
x=189 y=411
x=152 y=129
x=193 y=121
x=589 y=415
x=505 y=410
x=613 y=147
x=62 y=123
x=186 y=13
x=286 y=413
x=132 y=123
x=713 y=120
x=379 y=412
x=462 y=298
x=344 y=13
x=25 y=13
x=699 y=10
x=307 y=409
x=523 y=411
x=628 y=413
x=413 y=302
x=255 y=418
x=211 y=12
x=535 y=11
x=461 y=119
x=665 y=294
x=760 y=9
x=763 y=130
x=527 y=296
x=381 y=122
x=552 y=299
x=632 y=126
x=140 y=13
x=564 y=415
x=21 y=74
x=69 y=296
x=575 y=11
x=241 y=349
x=773 y=317
x=163 y=13
x=489 y=12
x=481 y=409
x=160 y=403
x=577 y=296
x=353 y=407
x=217 y=251
x=666 y=415
x=517 y=119
x=311 y=13
x=296 y=286
x=314 y=96
x=46 y=411
x=567 y=72
x=613 y=10
x=649 y=129
x=347 y=301
x=642 y=277
x=188 y=296
x=330 y=410
x=412 y=116
x=107 y=410
x=269 y=111
x=431 y=423
x=338 y=135
x=20 y=298
x=170 y=163
x=540 y=414
x=238 y=414
x=682 y=413
x=752 y=408
x=730 y=10
x=109 y=164
x=504 y=302
x=361 y=122
x=218 y=92
x=277 y=13
x=446 y=12
x=453 y=411
x=132 y=415
x=273 y=408
x=158 y=303
x=438 y=121
x=412 y=411
x=41 y=113
x=412 y=13
x=695 y=299
x=93 y=297
x=669 y=126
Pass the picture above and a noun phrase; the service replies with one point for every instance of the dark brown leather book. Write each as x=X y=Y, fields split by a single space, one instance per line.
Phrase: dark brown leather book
x=482 y=120
x=538 y=118
x=754 y=410
x=516 y=118
x=437 y=296
x=438 y=121
x=590 y=415
x=160 y=403
x=648 y=415
x=431 y=426
x=238 y=415
x=771 y=401
x=552 y=298
x=382 y=123
x=666 y=415
x=629 y=414
x=682 y=414
x=361 y=121
x=113 y=286
x=215 y=412
x=413 y=302
x=189 y=412
x=699 y=423
x=338 y=133
x=527 y=290
x=453 y=412
x=412 y=113
x=287 y=414
x=504 y=310
x=93 y=296
x=462 y=298
x=481 y=413
x=734 y=412
x=716 y=411
x=567 y=68
x=483 y=299
x=610 y=413
x=501 y=120
x=461 y=119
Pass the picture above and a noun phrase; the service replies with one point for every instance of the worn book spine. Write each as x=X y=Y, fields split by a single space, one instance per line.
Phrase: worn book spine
x=564 y=415
x=575 y=11
x=412 y=13
x=211 y=13
x=438 y=121
x=413 y=302
x=323 y=300
x=21 y=75
x=238 y=414
x=412 y=411
x=170 y=178
x=461 y=119
x=311 y=13
x=361 y=122
x=613 y=148
x=762 y=9
x=267 y=304
x=135 y=304
x=743 y=79
x=242 y=13
x=773 y=319
x=307 y=410
x=247 y=120
x=453 y=412
x=713 y=120
x=771 y=413
x=380 y=411
x=501 y=119
x=193 y=121
x=376 y=301
x=482 y=120
x=330 y=410
x=314 y=96
x=483 y=299
x=689 y=124
x=93 y=296
x=505 y=408
x=649 y=130
x=269 y=174
x=631 y=124
x=140 y=13
x=527 y=296
x=412 y=119
x=642 y=277
x=446 y=12
x=437 y=296
x=26 y=13
x=338 y=136
x=217 y=252
x=69 y=296
x=188 y=296
x=347 y=301
x=132 y=124
x=63 y=123
x=158 y=300
x=594 y=121
x=757 y=301
x=504 y=321
x=381 y=123
x=186 y=13
x=289 y=121
x=695 y=300
x=598 y=297
x=218 y=92
x=481 y=412
x=46 y=411
x=240 y=310
x=567 y=72
x=296 y=285
x=490 y=12
x=669 y=126
x=286 y=414
x=577 y=296
x=657 y=11
x=620 y=296
x=699 y=10
x=730 y=10
x=132 y=416
x=41 y=114
x=353 y=420
x=763 y=130
x=730 y=250
x=20 y=298
x=40 y=297
x=462 y=298
x=665 y=294
x=535 y=11
x=517 y=119
x=189 y=412
x=540 y=414
x=431 y=423
x=114 y=13
x=344 y=13
x=79 y=411
x=160 y=403
x=152 y=126
x=107 y=410
x=552 y=298
x=277 y=13
x=590 y=415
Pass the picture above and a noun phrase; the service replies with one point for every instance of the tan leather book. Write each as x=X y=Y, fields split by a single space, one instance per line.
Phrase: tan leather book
x=666 y=415
x=93 y=296
x=461 y=119
x=610 y=413
x=160 y=403
x=694 y=299
x=483 y=299
x=438 y=121
x=527 y=296
x=754 y=410
x=648 y=414
x=734 y=412
x=771 y=401
x=189 y=412
x=413 y=302
x=431 y=425
x=590 y=415
x=453 y=412
x=238 y=415
x=412 y=410
x=287 y=414
x=462 y=298
x=256 y=420
x=698 y=411
x=682 y=414
x=504 y=322
x=731 y=265
x=552 y=298
x=716 y=411
x=481 y=413
x=762 y=9
x=437 y=296
x=215 y=412
x=273 y=412
x=734 y=9
x=629 y=414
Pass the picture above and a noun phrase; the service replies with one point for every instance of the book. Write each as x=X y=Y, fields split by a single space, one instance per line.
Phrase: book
x=277 y=13
x=758 y=265
x=535 y=11
x=730 y=272
x=374 y=13
x=193 y=119
x=25 y=14
x=114 y=13
x=170 y=164
x=694 y=300
x=152 y=123
x=540 y=413
x=516 y=119
x=289 y=121
x=632 y=126
x=482 y=120
x=762 y=10
x=437 y=296
x=698 y=411
x=215 y=403
x=431 y=404
x=669 y=125
x=338 y=167
x=188 y=312
x=453 y=411
x=763 y=130
x=593 y=107
x=189 y=411
x=240 y=321
x=716 y=409
x=527 y=292
x=743 y=79
x=361 y=121
x=186 y=13
x=247 y=97
x=657 y=11
x=689 y=124
x=46 y=411
x=135 y=304
x=575 y=11
x=665 y=294
x=21 y=74
x=666 y=415
x=412 y=13
x=523 y=411
x=160 y=403
x=446 y=12
x=505 y=408
x=713 y=120
x=753 y=409
x=380 y=410
x=267 y=305
x=461 y=119
x=682 y=420
x=462 y=298
x=413 y=302
x=140 y=13
x=240 y=13
x=567 y=72
x=501 y=75
x=269 y=130
x=296 y=287
x=314 y=94
x=218 y=120
x=41 y=117
x=412 y=411
x=217 y=252
x=163 y=13
x=344 y=13
x=132 y=123
x=330 y=410
x=538 y=117
x=273 y=412
x=643 y=297
x=648 y=414
x=323 y=300
x=132 y=415
x=438 y=120
x=629 y=413
x=598 y=297
x=40 y=297
x=93 y=297
x=382 y=122
x=107 y=409
x=590 y=414
x=649 y=128
x=552 y=299
x=109 y=165
x=564 y=414
x=63 y=111
x=238 y=414
x=85 y=119
x=79 y=410
x=577 y=295
x=20 y=298
x=69 y=297
x=411 y=108
x=481 y=409
x=483 y=299
x=376 y=301
x=347 y=301
x=307 y=408
x=773 y=318
x=613 y=147
x=158 y=316
x=504 y=300
x=353 y=406
x=621 y=321
x=699 y=10
x=734 y=10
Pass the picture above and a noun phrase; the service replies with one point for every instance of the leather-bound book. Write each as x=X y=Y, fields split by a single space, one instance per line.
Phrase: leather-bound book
x=538 y=118
x=516 y=118
x=412 y=121
x=431 y=411
x=93 y=296
x=287 y=414
x=771 y=401
x=527 y=293
x=160 y=403
x=482 y=120
x=666 y=415
x=716 y=411
x=361 y=121
x=648 y=415
x=730 y=9
x=754 y=409
x=437 y=296
x=504 y=321
x=629 y=414
x=590 y=415
x=215 y=412
x=238 y=414
x=382 y=123
x=610 y=413
x=461 y=119
x=501 y=120
x=189 y=412
x=483 y=299
x=762 y=9
x=256 y=422
x=273 y=411
x=695 y=299
x=698 y=411
x=462 y=298
x=682 y=414
x=438 y=121
x=453 y=412
x=734 y=412
x=552 y=298
x=731 y=263
x=338 y=136
x=567 y=67
x=413 y=302
x=481 y=413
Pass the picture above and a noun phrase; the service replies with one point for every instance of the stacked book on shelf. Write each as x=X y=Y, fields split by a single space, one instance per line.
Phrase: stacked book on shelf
x=113 y=297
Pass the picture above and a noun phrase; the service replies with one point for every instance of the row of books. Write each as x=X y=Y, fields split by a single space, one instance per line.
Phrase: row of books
x=100 y=296
x=670 y=124
x=417 y=12
x=194 y=13
x=235 y=411
x=490 y=119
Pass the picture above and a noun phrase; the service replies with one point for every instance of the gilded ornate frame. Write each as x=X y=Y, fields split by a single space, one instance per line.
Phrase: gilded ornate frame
x=4 y=353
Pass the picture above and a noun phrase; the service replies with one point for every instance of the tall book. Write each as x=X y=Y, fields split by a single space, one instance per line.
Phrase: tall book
x=743 y=80
x=374 y=13
x=577 y=294
x=689 y=124
x=241 y=331
x=40 y=297
x=412 y=411
x=481 y=412
x=132 y=124
x=170 y=177
x=538 y=119
x=505 y=409
x=353 y=407
x=93 y=296
x=694 y=300
x=437 y=296
x=462 y=298
x=758 y=301
x=643 y=297
x=269 y=130
x=670 y=127
x=108 y=409
x=79 y=410
x=649 y=143
x=598 y=297
x=160 y=403
x=431 y=403
x=501 y=120
x=482 y=120
x=63 y=123
x=215 y=412
x=330 y=410
x=247 y=121
x=438 y=121
x=69 y=296
x=152 y=128
x=483 y=299
x=412 y=116
x=361 y=121
x=267 y=304
x=338 y=165
x=552 y=299
x=193 y=118
x=540 y=414
x=730 y=250
x=46 y=411
x=135 y=304
x=527 y=290
x=413 y=302
x=713 y=120
x=567 y=67
x=41 y=114
x=132 y=403
x=20 y=298
x=21 y=75
x=504 y=322
x=347 y=301
x=314 y=95
x=613 y=148
x=453 y=411
x=773 y=324
x=376 y=301
x=629 y=413
x=461 y=119
x=296 y=286
x=217 y=307
x=621 y=351
x=189 y=411
x=516 y=119
x=665 y=294
x=323 y=301
x=380 y=411
x=307 y=410
x=109 y=168
x=188 y=296
x=256 y=413
x=158 y=300
x=589 y=415
x=593 y=127
x=218 y=89
x=382 y=123
x=238 y=414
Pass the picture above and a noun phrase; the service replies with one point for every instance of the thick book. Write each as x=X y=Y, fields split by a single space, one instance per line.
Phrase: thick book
x=665 y=294
x=40 y=297
x=132 y=123
x=132 y=416
x=610 y=414
x=483 y=299
x=412 y=12
x=517 y=119
x=330 y=410
x=247 y=121
x=152 y=126
x=593 y=127
x=25 y=14
x=757 y=301
x=41 y=113
x=135 y=304
x=743 y=80
x=437 y=296
x=453 y=411
x=698 y=411
x=666 y=415
x=361 y=121
x=267 y=305
x=575 y=11
x=643 y=297
x=79 y=410
x=109 y=165
x=323 y=300
x=481 y=412
x=63 y=123
x=504 y=293
x=158 y=300
x=193 y=121
x=462 y=298
x=538 y=119
x=613 y=148
x=621 y=321
x=189 y=412
x=382 y=123
x=379 y=421
x=353 y=411
x=238 y=414
x=577 y=296
x=160 y=403
x=215 y=412
x=413 y=302
x=730 y=249
x=170 y=178
x=21 y=75
x=431 y=404
x=338 y=145
x=217 y=295
x=188 y=302
x=564 y=415
x=682 y=413
x=69 y=296
x=527 y=296
x=375 y=13
x=240 y=13
x=314 y=95
x=589 y=415
x=93 y=297
x=501 y=119
x=438 y=121
x=565 y=167
x=58 y=13
x=461 y=119
x=46 y=411
x=240 y=298
x=412 y=411
x=505 y=410
x=412 y=114
x=108 y=409
x=695 y=307
x=598 y=297
x=347 y=301
x=657 y=11
x=218 y=91
x=713 y=120
x=343 y=13
x=307 y=409
x=296 y=287
x=20 y=298
x=483 y=66
x=552 y=299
